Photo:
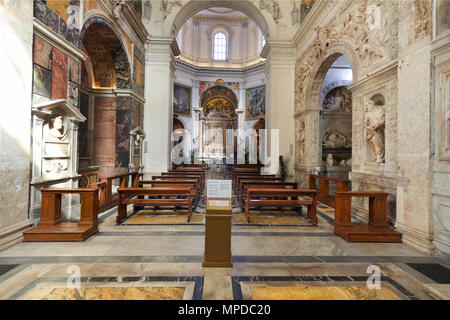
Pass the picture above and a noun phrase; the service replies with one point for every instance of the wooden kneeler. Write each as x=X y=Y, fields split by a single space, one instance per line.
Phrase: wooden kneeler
x=377 y=230
x=50 y=226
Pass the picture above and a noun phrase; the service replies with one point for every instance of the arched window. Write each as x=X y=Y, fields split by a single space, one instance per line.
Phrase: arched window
x=220 y=46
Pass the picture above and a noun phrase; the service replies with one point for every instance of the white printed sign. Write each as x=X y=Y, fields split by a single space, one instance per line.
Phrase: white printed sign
x=219 y=189
x=219 y=203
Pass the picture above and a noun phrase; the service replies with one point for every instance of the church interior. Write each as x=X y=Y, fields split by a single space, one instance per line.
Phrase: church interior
x=225 y=150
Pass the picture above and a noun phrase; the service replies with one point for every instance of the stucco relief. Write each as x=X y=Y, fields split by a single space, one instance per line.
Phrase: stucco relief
x=272 y=7
x=117 y=8
x=335 y=139
x=339 y=99
x=168 y=5
x=364 y=25
x=422 y=18
x=391 y=128
x=357 y=131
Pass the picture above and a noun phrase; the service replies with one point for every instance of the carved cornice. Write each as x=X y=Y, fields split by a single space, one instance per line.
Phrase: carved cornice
x=389 y=67
x=185 y=66
x=215 y=19
x=299 y=113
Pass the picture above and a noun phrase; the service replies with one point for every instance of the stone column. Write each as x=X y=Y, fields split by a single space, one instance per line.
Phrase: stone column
x=158 y=106
x=280 y=69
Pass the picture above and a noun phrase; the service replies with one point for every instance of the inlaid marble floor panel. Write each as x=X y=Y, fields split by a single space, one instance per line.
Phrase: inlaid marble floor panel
x=292 y=292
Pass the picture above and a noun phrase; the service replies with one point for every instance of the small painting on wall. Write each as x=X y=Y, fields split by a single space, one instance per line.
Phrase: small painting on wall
x=182 y=100
x=255 y=103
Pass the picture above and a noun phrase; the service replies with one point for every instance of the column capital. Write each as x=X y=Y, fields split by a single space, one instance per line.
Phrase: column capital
x=278 y=48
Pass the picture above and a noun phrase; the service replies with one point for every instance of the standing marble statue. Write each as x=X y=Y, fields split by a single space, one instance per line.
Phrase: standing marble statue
x=374 y=124
x=329 y=161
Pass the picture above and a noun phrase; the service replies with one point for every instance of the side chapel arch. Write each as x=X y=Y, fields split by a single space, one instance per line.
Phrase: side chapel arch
x=107 y=69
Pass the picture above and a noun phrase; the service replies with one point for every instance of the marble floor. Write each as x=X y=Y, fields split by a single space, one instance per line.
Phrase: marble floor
x=164 y=261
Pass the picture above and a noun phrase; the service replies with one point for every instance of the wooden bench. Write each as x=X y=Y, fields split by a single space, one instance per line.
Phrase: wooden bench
x=259 y=198
x=324 y=187
x=248 y=165
x=257 y=184
x=236 y=174
x=173 y=175
x=239 y=179
x=171 y=197
x=107 y=198
x=377 y=230
x=51 y=227
x=184 y=183
x=189 y=171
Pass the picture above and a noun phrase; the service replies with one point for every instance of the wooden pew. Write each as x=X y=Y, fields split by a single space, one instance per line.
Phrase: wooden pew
x=324 y=187
x=257 y=184
x=189 y=171
x=249 y=184
x=50 y=226
x=185 y=183
x=172 y=197
x=377 y=230
x=248 y=165
x=181 y=175
x=236 y=173
x=239 y=179
x=107 y=198
x=264 y=198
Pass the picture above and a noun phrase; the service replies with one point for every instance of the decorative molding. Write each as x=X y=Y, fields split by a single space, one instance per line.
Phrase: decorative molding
x=389 y=67
x=136 y=23
x=188 y=67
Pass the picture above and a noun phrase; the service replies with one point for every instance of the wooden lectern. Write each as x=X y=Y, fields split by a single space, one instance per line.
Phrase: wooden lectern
x=217 y=233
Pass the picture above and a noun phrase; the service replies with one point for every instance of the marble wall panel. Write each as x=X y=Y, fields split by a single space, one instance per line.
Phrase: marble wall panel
x=138 y=72
x=83 y=133
x=42 y=81
x=124 y=116
x=123 y=103
x=137 y=115
x=74 y=71
x=122 y=130
x=42 y=53
x=84 y=78
x=59 y=74
x=105 y=133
